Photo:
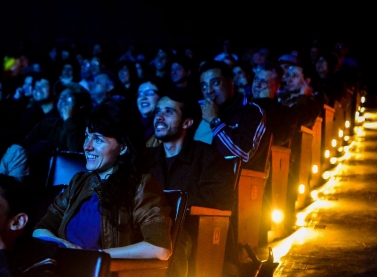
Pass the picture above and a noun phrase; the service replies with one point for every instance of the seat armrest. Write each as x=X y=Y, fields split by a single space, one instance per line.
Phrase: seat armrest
x=196 y=210
x=134 y=264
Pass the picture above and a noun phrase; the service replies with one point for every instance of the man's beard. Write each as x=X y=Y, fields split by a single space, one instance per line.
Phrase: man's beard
x=175 y=133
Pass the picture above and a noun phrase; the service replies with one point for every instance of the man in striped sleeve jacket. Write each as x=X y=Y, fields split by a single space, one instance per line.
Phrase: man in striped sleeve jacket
x=233 y=125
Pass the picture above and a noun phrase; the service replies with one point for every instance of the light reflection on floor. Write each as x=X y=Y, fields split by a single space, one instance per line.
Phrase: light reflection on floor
x=306 y=217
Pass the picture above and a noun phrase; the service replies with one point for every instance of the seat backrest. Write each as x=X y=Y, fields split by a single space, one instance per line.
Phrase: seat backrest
x=40 y=200
x=83 y=263
x=177 y=200
x=63 y=165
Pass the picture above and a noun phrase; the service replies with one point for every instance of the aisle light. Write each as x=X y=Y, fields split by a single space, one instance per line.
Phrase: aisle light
x=315 y=169
x=277 y=216
x=333 y=143
x=340 y=133
x=314 y=194
x=347 y=124
x=333 y=160
x=301 y=189
x=326 y=175
x=346 y=138
x=362 y=99
x=340 y=149
x=327 y=154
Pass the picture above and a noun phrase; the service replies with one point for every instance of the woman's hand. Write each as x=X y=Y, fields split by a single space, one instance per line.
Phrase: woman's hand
x=48 y=235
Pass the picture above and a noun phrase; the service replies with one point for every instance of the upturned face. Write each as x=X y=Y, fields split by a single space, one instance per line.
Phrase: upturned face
x=264 y=84
x=147 y=99
x=294 y=78
x=102 y=153
x=168 y=120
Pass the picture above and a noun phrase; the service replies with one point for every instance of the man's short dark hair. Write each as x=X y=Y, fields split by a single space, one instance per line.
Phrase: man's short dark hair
x=189 y=108
x=225 y=69
x=272 y=67
x=14 y=193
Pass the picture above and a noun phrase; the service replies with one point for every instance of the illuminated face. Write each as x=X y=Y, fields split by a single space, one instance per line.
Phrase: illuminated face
x=161 y=60
x=239 y=77
x=66 y=101
x=178 y=73
x=124 y=75
x=99 y=87
x=67 y=71
x=294 y=78
x=41 y=91
x=321 y=66
x=28 y=86
x=95 y=65
x=168 y=120
x=264 y=84
x=214 y=85
x=147 y=99
x=101 y=153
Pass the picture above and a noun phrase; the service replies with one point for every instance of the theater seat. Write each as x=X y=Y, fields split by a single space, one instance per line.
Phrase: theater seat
x=63 y=165
x=153 y=267
x=82 y=263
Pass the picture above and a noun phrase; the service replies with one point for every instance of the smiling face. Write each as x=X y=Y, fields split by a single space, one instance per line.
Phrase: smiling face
x=168 y=125
x=102 y=153
x=147 y=99
x=215 y=86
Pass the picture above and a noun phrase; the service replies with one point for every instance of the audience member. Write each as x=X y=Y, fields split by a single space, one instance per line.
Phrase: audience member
x=188 y=165
x=128 y=79
x=242 y=77
x=121 y=208
x=230 y=123
x=149 y=92
x=20 y=254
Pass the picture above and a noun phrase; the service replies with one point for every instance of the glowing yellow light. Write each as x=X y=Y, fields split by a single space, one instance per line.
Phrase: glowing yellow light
x=360 y=119
x=326 y=175
x=347 y=124
x=333 y=160
x=315 y=169
x=333 y=143
x=301 y=219
x=360 y=132
x=327 y=154
x=362 y=99
x=314 y=194
x=340 y=149
x=362 y=109
x=301 y=189
x=277 y=216
x=340 y=133
x=346 y=138
x=326 y=191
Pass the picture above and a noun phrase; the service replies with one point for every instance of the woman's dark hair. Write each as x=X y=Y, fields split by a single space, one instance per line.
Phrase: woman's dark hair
x=331 y=58
x=134 y=78
x=82 y=99
x=119 y=120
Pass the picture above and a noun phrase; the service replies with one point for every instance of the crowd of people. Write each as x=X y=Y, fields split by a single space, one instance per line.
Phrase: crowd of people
x=171 y=122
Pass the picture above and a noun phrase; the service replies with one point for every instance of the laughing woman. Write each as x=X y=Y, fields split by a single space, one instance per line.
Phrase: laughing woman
x=116 y=206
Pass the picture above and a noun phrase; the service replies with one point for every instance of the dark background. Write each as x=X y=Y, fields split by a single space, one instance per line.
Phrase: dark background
x=281 y=27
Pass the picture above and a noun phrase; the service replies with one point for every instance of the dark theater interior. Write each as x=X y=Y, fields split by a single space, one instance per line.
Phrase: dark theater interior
x=303 y=207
